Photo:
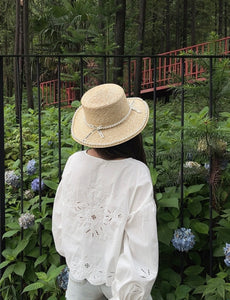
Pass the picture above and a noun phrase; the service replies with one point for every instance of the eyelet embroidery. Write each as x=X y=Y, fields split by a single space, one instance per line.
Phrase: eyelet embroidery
x=95 y=274
x=145 y=273
x=96 y=220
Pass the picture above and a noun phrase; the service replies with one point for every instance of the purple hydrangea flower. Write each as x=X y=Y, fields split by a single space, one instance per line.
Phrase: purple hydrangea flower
x=227 y=254
x=183 y=239
x=26 y=220
x=35 y=185
x=63 y=278
x=31 y=167
x=12 y=179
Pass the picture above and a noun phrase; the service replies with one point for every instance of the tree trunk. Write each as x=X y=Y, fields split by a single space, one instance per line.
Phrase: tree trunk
x=29 y=90
x=17 y=64
x=226 y=17
x=178 y=34
x=138 y=75
x=119 y=40
x=167 y=25
x=185 y=23
x=220 y=19
x=193 y=27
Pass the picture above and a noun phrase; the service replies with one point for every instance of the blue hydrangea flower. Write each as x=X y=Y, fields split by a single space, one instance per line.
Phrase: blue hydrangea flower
x=227 y=254
x=26 y=220
x=63 y=278
x=183 y=239
x=31 y=167
x=35 y=185
x=12 y=179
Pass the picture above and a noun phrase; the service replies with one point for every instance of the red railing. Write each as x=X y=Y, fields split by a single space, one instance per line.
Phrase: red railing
x=50 y=92
x=168 y=72
x=169 y=67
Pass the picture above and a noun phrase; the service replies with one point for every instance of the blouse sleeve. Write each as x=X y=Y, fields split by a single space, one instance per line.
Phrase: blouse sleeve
x=138 y=263
x=57 y=220
x=57 y=211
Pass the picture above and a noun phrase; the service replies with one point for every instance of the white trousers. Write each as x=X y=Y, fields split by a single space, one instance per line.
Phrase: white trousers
x=86 y=291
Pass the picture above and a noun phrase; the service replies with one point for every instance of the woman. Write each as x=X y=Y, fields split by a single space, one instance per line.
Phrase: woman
x=104 y=215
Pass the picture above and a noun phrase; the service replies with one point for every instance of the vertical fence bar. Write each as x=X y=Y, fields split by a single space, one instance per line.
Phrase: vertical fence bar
x=39 y=158
x=82 y=77
x=182 y=145
x=129 y=77
x=182 y=162
x=59 y=120
x=104 y=70
x=210 y=172
x=81 y=83
x=154 y=109
x=2 y=168
x=60 y=89
x=19 y=84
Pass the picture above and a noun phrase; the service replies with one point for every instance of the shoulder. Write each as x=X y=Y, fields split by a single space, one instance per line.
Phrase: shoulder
x=139 y=168
x=73 y=160
x=75 y=156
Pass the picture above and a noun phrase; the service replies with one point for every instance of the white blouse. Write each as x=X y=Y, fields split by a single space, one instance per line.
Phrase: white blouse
x=104 y=224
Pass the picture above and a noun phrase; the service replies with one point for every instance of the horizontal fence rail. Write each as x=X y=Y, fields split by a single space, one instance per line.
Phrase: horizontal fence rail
x=43 y=134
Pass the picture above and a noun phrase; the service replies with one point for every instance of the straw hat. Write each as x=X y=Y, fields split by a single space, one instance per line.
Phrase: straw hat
x=107 y=118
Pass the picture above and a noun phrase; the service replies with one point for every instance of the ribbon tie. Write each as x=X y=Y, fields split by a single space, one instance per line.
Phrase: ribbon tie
x=100 y=127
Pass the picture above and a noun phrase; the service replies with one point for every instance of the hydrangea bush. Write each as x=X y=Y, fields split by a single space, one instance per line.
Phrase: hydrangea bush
x=38 y=265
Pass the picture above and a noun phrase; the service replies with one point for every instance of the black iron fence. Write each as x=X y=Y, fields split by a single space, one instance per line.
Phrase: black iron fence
x=171 y=154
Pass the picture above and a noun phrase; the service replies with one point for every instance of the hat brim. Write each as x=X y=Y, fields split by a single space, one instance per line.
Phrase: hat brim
x=132 y=126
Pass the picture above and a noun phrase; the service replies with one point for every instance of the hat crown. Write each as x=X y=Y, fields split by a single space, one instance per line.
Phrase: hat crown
x=105 y=105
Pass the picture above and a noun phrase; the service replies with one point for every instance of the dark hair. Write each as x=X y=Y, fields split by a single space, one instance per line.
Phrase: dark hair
x=132 y=148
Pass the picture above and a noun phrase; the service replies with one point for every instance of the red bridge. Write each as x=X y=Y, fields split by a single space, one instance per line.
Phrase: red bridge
x=168 y=72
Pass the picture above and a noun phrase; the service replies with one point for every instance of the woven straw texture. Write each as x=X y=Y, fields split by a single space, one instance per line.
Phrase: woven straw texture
x=107 y=118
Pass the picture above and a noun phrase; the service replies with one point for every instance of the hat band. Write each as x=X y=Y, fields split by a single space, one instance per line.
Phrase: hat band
x=100 y=127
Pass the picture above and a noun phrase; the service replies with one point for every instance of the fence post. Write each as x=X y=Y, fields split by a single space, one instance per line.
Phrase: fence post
x=2 y=166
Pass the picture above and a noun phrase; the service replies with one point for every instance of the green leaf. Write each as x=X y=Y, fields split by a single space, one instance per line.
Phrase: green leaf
x=193 y=270
x=200 y=227
x=164 y=234
x=169 y=202
x=221 y=291
x=193 y=189
x=52 y=298
x=40 y=260
x=42 y=276
x=171 y=276
x=170 y=296
x=20 y=268
x=182 y=292
x=13 y=225
x=51 y=184
x=10 y=233
x=4 y=264
x=33 y=287
x=20 y=247
x=154 y=175
x=54 y=273
x=195 y=208
x=9 y=270
x=75 y=104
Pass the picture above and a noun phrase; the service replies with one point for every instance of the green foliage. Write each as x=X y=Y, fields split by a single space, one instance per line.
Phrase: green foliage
x=22 y=254
x=205 y=142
